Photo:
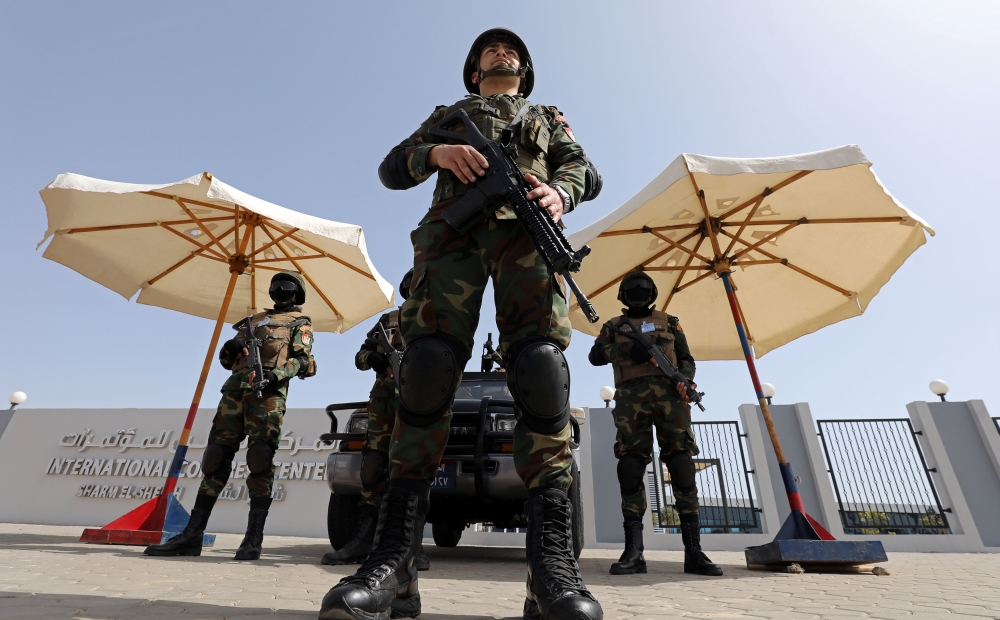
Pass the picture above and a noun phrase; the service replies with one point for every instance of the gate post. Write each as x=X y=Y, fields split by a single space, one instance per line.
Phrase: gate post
x=948 y=488
x=770 y=519
x=829 y=507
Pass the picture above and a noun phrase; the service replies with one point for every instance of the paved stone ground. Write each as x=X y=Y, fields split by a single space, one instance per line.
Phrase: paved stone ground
x=46 y=573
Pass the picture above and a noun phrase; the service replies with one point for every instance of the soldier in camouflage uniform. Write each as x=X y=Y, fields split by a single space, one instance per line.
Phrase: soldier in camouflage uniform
x=285 y=353
x=382 y=404
x=438 y=321
x=646 y=398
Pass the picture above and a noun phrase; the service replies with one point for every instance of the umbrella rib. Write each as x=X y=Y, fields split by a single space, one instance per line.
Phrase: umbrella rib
x=639 y=231
x=786 y=263
x=695 y=281
x=678 y=268
x=253 y=267
x=281 y=238
x=767 y=238
x=332 y=257
x=835 y=220
x=285 y=260
x=73 y=231
x=302 y=271
x=204 y=248
x=192 y=201
x=673 y=289
x=655 y=256
x=746 y=220
x=179 y=263
x=704 y=209
x=677 y=245
x=204 y=228
x=767 y=191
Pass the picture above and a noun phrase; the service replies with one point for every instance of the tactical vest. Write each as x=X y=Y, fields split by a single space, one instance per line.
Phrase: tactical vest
x=491 y=116
x=390 y=321
x=276 y=338
x=661 y=335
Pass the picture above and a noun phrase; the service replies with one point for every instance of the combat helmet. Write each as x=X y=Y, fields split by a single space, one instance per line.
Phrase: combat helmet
x=282 y=293
x=526 y=72
x=637 y=290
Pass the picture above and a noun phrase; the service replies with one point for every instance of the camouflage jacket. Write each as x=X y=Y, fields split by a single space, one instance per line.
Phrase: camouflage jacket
x=300 y=342
x=546 y=145
x=390 y=322
x=611 y=348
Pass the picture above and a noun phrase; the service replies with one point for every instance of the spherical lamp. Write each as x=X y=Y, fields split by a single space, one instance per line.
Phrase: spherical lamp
x=17 y=398
x=939 y=388
x=768 y=390
x=607 y=394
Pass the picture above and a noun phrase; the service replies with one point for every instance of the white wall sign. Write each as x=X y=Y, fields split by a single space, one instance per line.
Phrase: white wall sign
x=88 y=467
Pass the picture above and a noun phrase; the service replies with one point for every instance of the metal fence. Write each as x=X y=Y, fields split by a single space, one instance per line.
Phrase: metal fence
x=725 y=494
x=880 y=477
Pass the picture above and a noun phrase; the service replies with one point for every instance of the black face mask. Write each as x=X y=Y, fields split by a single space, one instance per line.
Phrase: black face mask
x=283 y=291
x=639 y=294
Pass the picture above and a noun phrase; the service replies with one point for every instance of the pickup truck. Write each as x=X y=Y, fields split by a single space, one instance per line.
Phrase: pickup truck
x=476 y=481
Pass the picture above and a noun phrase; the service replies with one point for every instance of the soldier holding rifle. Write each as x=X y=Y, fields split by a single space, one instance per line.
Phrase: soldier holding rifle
x=451 y=269
x=382 y=404
x=651 y=393
x=252 y=405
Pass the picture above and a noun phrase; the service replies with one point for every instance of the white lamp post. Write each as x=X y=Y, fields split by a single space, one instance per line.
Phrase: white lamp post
x=768 y=391
x=607 y=393
x=16 y=399
x=939 y=387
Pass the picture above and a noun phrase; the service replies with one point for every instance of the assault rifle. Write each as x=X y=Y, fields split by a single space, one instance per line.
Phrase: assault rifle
x=656 y=353
x=252 y=344
x=504 y=183
x=488 y=353
x=395 y=357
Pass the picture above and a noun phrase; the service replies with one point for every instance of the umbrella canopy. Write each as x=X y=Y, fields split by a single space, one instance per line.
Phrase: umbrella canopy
x=176 y=243
x=809 y=241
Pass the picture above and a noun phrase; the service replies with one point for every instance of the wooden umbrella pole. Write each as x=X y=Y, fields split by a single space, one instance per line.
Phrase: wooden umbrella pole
x=791 y=487
x=237 y=267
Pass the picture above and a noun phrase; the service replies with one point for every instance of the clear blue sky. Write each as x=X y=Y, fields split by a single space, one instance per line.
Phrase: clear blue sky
x=297 y=103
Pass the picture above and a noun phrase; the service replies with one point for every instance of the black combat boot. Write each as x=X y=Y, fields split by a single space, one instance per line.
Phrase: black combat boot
x=555 y=586
x=251 y=546
x=422 y=562
x=631 y=561
x=386 y=583
x=188 y=542
x=695 y=560
x=357 y=548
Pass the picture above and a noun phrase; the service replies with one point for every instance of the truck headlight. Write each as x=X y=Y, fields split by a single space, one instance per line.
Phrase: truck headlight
x=358 y=424
x=505 y=424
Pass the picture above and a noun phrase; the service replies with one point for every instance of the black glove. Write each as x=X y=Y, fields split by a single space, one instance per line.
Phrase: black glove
x=270 y=379
x=639 y=354
x=232 y=348
x=378 y=362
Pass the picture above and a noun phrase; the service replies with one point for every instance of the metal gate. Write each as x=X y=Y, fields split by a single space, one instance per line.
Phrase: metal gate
x=881 y=478
x=725 y=494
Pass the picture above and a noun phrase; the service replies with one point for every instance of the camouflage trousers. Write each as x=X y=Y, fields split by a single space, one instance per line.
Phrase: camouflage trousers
x=382 y=403
x=450 y=273
x=242 y=414
x=641 y=404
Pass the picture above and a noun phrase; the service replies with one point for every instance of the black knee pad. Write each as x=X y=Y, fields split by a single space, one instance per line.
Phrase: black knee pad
x=428 y=376
x=631 y=471
x=538 y=377
x=217 y=460
x=373 y=468
x=681 y=468
x=260 y=457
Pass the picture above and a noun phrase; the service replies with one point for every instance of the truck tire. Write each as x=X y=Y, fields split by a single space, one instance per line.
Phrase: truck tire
x=576 y=499
x=341 y=518
x=447 y=534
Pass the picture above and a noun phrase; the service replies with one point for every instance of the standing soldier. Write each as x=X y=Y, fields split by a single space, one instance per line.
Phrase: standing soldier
x=646 y=398
x=286 y=352
x=382 y=404
x=438 y=321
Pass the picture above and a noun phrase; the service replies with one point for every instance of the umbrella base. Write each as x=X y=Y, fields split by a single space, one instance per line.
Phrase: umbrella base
x=139 y=527
x=815 y=554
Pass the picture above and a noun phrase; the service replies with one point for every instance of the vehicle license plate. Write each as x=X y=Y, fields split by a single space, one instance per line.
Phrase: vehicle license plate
x=445 y=477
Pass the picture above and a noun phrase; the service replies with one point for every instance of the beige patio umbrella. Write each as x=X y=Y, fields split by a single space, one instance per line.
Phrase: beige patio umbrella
x=205 y=248
x=806 y=240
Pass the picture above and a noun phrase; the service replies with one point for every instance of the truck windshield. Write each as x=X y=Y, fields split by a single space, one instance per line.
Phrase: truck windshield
x=479 y=389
